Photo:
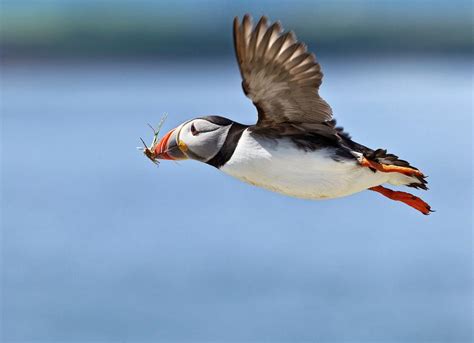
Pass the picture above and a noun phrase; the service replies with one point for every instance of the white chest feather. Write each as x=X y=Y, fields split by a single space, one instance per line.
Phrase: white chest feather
x=278 y=165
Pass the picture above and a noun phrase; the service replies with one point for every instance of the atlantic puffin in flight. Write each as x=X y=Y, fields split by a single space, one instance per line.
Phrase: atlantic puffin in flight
x=295 y=148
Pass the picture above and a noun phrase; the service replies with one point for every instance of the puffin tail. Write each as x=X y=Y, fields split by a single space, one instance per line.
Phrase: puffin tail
x=401 y=172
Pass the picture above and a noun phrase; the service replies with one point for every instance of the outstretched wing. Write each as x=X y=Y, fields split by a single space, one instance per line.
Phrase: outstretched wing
x=280 y=77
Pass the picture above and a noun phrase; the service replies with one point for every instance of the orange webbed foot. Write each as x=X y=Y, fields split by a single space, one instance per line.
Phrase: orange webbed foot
x=404 y=197
x=388 y=168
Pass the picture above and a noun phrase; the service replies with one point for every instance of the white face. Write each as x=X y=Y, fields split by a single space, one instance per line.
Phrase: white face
x=202 y=138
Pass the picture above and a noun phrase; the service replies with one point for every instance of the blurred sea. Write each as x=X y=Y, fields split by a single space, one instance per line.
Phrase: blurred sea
x=100 y=245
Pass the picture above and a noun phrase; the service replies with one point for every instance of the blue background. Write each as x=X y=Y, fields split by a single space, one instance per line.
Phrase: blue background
x=99 y=245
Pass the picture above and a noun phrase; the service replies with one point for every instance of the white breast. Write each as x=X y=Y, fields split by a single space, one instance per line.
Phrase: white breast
x=278 y=165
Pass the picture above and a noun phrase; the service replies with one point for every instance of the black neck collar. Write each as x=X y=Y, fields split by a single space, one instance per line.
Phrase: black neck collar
x=228 y=148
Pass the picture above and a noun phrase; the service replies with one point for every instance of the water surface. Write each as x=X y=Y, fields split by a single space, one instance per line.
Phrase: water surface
x=100 y=245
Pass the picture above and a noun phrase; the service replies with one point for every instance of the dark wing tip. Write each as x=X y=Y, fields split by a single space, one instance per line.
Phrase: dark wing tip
x=264 y=18
x=236 y=25
x=247 y=20
x=263 y=22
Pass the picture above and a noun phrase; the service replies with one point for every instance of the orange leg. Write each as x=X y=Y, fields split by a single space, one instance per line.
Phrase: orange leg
x=406 y=198
x=386 y=168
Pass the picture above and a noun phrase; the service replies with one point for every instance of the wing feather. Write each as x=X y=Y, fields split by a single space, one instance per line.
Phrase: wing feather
x=280 y=76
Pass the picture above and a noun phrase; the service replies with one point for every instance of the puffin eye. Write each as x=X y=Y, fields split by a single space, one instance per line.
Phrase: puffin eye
x=194 y=132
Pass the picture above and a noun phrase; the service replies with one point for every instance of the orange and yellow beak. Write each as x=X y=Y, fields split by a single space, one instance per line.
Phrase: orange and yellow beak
x=168 y=148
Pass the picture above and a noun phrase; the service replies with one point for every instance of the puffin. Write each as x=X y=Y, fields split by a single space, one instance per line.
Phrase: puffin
x=295 y=148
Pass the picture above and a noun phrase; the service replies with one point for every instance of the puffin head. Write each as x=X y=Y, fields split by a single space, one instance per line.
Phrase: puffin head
x=198 y=139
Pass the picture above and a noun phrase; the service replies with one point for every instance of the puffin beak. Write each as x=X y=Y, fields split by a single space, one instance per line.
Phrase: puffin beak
x=168 y=149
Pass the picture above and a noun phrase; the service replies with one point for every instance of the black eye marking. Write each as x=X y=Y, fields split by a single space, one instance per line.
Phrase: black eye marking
x=194 y=132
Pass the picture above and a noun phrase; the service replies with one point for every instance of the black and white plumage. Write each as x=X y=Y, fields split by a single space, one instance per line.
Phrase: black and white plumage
x=295 y=147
